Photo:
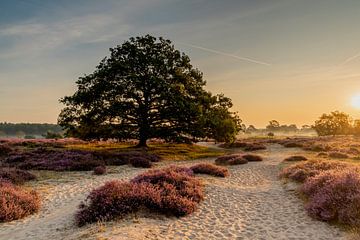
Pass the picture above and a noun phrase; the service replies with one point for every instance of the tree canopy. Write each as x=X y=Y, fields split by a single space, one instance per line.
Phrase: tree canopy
x=334 y=123
x=147 y=89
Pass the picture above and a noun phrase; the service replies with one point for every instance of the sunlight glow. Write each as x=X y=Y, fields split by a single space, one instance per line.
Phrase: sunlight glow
x=355 y=101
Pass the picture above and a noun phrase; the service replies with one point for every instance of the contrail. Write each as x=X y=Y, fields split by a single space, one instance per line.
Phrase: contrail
x=227 y=54
x=350 y=59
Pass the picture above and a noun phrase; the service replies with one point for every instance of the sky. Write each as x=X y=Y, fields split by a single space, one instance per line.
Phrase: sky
x=289 y=60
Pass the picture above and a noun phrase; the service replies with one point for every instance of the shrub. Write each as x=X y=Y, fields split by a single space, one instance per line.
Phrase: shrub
x=210 y=169
x=237 y=161
x=322 y=154
x=334 y=196
x=252 y=157
x=123 y=158
x=292 y=144
x=99 y=170
x=255 y=147
x=16 y=176
x=16 y=203
x=270 y=134
x=301 y=171
x=295 y=158
x=338 y=155
x=232 y=159
x=223 y=160
x=4 y=150
x=171 y=190
x=234 y=145
x=140 y=162
x=114 y=199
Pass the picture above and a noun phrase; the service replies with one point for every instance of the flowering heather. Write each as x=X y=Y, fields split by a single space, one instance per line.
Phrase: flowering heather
x=210 y=169
x=45 y=159
x=295 y=158
x=223 y=160
x=4 y=150
x=171 y=190
x=232 y=159
x=16 y=176
x=338 y=155
x=237 y=161
x=255 y=147
x=16 y=203
x=332 y=190
x=252 y=157
x=99 y=170
x=140 y=162
x=292 y=144
x=334 y=195
x=301 y=171
x=122 y=158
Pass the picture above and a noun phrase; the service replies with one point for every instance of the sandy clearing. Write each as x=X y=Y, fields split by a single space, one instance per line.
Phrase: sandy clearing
x=251 y=204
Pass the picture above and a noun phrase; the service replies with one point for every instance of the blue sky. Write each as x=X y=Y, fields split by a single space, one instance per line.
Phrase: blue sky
x=289 y=60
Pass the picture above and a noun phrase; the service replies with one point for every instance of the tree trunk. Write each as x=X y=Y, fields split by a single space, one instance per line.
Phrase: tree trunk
x=142 y=142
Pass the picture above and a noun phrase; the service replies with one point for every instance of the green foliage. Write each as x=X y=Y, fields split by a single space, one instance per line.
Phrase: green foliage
x=146 y=89
x=30 y=129
x=335 y=123
x=52 y=135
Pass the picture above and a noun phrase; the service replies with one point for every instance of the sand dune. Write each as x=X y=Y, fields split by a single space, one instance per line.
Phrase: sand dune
x=251 y=204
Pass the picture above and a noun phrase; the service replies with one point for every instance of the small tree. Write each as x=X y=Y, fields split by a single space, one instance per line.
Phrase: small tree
x=335 y=123
x=145 y=89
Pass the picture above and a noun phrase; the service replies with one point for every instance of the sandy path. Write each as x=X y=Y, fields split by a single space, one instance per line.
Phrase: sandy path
x=251 y=204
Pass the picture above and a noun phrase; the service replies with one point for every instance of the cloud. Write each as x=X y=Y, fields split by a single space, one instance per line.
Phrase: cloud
x=36 y=38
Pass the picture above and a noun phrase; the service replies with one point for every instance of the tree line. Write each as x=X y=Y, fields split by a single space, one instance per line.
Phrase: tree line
x=27 y=129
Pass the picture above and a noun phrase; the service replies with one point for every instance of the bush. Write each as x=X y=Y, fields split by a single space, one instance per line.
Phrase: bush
x=16 y=203
x=255 y=147
x=338 y=155
x=295 y=158
x=171 y=190
x=16 y=176
x=223 y=160
x=252 y=157
x=140 y=162
x=237 y=161
x=334 y=196
x=232 y=159
x=4 y=150
x=99 y=170
x=301 y=171
x=210 y=169
x=322 y=154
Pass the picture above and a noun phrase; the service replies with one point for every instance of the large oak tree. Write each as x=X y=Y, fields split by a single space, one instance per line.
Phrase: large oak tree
x=147 y=89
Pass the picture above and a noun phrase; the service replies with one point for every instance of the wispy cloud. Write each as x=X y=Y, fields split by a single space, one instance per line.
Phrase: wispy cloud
x=227 y=54
x=350 y=59
x=34 y=38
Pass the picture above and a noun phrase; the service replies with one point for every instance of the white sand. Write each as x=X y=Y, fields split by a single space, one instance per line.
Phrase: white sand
x=251 y=204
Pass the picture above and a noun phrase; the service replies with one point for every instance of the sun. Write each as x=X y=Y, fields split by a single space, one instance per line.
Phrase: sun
x=355 y=101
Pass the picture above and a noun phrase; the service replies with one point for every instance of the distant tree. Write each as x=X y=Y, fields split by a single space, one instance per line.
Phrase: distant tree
x=251 y=128
x=146 y=89
x=305 y=127
x=273 y=125
x=52 y=135
x=335 y=123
